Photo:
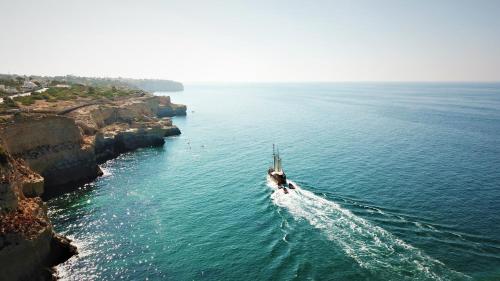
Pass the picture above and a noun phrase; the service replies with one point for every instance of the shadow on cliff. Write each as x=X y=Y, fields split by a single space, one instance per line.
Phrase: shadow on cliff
x=81 y=188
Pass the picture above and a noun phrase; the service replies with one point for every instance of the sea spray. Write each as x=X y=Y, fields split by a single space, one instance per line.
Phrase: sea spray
x=371 y=246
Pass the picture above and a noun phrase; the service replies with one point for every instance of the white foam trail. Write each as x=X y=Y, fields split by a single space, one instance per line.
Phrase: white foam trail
x=371 y=246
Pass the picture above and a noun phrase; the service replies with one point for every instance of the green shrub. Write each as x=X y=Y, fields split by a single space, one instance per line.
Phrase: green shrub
x=55 y=82
x=27 y=100
x=45 y=96
x=36 y=96
x=9 y=103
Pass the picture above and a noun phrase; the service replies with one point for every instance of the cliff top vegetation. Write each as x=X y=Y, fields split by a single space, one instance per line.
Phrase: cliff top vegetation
x=76 y=91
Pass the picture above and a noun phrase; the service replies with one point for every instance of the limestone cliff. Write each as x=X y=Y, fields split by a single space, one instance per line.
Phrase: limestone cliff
x=28 y=244
x=52 y=146
x=66 y=149
x=44 y=151
x=126 y=126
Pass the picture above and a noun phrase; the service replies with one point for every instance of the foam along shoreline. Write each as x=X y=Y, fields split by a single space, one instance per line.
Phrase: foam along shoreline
x=372 y=247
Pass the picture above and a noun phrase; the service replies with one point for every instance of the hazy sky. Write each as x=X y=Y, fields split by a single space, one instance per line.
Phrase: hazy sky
x=254 y=40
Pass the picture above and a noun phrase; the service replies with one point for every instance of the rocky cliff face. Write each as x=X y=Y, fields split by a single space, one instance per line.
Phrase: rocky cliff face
x=40 y=153
x=28 y=244
x=172 y=110
x=112 y=144
x=123 y=127
x=52 y=146
x=66 y=150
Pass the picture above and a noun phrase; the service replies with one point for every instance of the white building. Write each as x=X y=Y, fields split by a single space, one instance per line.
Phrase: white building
x=62 y=86
x=10 y=90
x=28 y=86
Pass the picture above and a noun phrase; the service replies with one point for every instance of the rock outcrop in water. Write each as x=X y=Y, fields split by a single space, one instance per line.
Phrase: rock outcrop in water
x=44 y=154
x=135 y=123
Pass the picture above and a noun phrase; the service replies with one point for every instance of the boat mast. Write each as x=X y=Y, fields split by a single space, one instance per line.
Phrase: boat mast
x=278 y=160
x=274 y=158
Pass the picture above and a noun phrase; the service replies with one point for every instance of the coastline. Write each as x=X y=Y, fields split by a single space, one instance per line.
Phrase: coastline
x=46 y=153
x=154 y=202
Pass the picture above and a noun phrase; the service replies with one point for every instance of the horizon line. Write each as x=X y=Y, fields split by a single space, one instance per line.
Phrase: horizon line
x=261 y=81
x=333 y=81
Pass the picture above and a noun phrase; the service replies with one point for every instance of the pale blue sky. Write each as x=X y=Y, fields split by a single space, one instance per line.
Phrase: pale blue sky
x=254 y=40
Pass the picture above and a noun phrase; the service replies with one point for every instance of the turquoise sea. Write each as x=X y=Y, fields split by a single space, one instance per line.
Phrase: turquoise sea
x=398 y=181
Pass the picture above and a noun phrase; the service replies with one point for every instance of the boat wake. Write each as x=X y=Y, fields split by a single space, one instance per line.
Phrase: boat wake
x=371 y=246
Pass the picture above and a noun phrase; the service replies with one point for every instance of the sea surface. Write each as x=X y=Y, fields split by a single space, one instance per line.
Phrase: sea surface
x=397 y=181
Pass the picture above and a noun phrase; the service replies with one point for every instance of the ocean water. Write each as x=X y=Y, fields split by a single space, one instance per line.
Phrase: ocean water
x=397 y=181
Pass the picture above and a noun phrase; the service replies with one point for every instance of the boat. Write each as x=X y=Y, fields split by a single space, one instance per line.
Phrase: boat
x=276 y=173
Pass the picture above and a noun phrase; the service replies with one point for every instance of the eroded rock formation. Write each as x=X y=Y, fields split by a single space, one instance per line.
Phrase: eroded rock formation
x=43 y=153
x=28 y=244
x=117 y=128
x=52 y=146
x=66 y=150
